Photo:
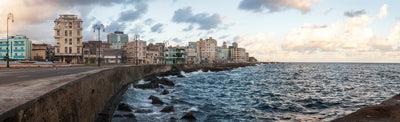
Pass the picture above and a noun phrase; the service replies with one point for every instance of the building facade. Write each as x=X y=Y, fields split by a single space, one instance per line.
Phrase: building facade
x=136 y=52
x=68 y=37
x=175 y=55
x=207 y=50
x=155 y=53
x=93 y=51
x=112 y=56
x=40 y=52
x=19 y=48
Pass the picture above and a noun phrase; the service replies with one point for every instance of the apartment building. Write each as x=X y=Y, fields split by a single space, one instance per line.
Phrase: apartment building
x=207 y=50
x=135 y=52
x=19 y=48
x=68 y=37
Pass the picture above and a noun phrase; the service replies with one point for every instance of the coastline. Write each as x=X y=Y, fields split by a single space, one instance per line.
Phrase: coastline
x=387 y=111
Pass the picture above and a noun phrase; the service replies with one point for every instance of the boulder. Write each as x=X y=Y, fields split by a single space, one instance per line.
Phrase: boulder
x=167 y=82
x=164 y=92
x=144 y=111
x=124 y=107
x=168 y=109
x=155 y=100
x=189 y=116
x=130 y=116
x=147 y=86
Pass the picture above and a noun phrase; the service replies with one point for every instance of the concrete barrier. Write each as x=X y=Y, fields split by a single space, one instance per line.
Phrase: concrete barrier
x=89 y=97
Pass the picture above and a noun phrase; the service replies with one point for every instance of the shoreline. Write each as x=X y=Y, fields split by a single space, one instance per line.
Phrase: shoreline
x=388 y=110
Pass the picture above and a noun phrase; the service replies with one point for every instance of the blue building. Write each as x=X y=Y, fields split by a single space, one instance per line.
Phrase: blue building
x=19 y=48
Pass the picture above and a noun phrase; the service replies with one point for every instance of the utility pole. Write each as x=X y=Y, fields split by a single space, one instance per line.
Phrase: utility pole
x=98 y=27
x=9 y=16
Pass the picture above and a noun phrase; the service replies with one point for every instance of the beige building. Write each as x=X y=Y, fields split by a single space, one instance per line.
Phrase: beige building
x=39 y=52
x=68 y=37
x=155 y=53
x=207 y=50
x=136 y=52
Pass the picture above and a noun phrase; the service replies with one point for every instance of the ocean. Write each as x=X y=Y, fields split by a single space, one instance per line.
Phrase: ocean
x=269 y=92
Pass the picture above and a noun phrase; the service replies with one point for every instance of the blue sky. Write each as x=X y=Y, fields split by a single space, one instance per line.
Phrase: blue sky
x=277 y=30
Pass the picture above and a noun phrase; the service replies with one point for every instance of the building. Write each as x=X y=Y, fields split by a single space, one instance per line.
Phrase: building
x=155 y=53
x=207 y=50
x=117 y=39
x=40 y=52
x=136 y=52
x=112 y=56
x=175 y=55
x=19 y=48
x=237 y=54
x=93 y=50
x=192 y=55
x=68 y=37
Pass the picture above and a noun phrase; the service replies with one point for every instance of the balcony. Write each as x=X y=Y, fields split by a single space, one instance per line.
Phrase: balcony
x=19 y=56
x=19 y=44
x=19 y=50
x=3 y=50
x=3 y=44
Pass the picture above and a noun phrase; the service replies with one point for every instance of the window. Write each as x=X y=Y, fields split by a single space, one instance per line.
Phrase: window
x=70 y=49
x=22 y=54
x=78 y=32
x=16 y=48
x=66 y=33
x=66 y=50
x=70 y=33
x=78 y=50
x=70 y=24
x=1 y=42
x=22 y=47
x=66 y=41
x=1 y=54
x=58 y=33
x=58 y=50
x=70 y=41
x=78 y=24
x=78 y=41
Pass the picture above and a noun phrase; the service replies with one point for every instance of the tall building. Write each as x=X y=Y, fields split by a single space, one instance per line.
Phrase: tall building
x=175 y=55
x=207 y=49
x=192 y=53
x=68 y=37
x=19 y=48
x=117 y=39
x=136 y=52
x=237 y=54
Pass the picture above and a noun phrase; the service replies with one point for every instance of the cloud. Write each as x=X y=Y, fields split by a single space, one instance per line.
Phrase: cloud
x=158 y=28
x=177 y=40
x=131 y=15
x=383 y=11
x=188 y=28
x=223 y=36
x=204 y=20
x=148 y=21
x=115 y=26
x=354 y=13
x=325 y=11
x=276 y=5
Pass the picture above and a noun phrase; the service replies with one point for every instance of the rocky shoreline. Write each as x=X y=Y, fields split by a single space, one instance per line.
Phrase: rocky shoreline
x=387 y=111
x=158 y=81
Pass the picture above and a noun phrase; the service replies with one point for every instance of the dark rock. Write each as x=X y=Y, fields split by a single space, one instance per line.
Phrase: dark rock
x=180 y=76
x=164 y=92
x=168 y=109
x=147 y=86
x=189 y=116
x=118 y=115
x=173 y=119
x=144 y=111
x=155 y=100
x=124 y=107
x=130 y=116
x=167 y=82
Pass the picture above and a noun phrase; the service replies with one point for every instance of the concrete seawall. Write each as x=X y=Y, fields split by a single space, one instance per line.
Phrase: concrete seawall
x=86 y=97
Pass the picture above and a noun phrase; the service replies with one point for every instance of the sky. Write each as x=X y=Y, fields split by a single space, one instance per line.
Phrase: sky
x=270 y=30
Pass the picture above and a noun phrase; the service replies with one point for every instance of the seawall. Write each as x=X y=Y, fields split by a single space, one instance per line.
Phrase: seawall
x=91 y=96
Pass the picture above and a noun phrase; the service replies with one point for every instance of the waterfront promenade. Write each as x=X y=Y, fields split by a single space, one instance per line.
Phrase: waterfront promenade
x=20 y=85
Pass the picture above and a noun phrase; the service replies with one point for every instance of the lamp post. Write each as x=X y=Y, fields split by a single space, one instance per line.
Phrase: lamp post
x=98 y=27
x=9 y=16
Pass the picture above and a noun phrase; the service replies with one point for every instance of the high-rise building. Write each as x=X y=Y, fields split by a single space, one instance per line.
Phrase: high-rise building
x=207 y=49
x=19 y=48
x=117 y=39
x=68 y=37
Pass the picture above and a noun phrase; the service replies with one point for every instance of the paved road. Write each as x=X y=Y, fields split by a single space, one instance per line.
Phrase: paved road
x=15 y=75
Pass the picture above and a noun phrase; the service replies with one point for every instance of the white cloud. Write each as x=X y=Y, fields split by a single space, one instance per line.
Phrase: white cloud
x=383 y=11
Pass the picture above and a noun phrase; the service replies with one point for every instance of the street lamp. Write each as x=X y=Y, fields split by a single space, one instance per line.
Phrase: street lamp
x=98 y=27
x=9 y=16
